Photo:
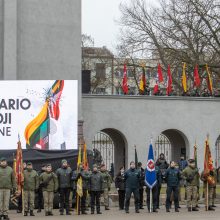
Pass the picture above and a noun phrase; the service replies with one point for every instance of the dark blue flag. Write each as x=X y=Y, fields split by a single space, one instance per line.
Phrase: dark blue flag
x=150 y=172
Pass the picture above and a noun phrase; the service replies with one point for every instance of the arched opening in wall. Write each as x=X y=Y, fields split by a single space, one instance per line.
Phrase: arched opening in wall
x=217 y=152
x=110 y=147
x=172 y=143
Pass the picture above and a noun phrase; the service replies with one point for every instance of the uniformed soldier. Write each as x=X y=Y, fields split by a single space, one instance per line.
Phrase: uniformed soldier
x=95 y=189
x=64 y=174
x=31 y=185
x=106 y=185
x=142 y=184
x=49 y=183
x=209 y=179
x=7 y=183
x=172 y=177
x=85 y=183
x=132 y=184
x=191 y=175
x=120 y=186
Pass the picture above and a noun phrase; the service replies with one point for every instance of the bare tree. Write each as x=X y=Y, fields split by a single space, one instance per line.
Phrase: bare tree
x=177 y=31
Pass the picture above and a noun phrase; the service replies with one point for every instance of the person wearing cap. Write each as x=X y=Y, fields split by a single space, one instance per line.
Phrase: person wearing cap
x=7 y=184
x=132 y=184
x=142 y=184
x=191 y=175
x=95 y=189
x=64 y=181
x=106 y=185
x=31 y=185
x=40 y=192
x=84 y=174
x=210 y=180
x=49 y=183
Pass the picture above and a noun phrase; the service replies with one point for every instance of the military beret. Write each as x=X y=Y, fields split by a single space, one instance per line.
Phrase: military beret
x=3 y=159
x=29 y=163
x=64 y=161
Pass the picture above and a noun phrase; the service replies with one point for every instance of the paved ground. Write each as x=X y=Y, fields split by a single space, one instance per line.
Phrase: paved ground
x=115 y=214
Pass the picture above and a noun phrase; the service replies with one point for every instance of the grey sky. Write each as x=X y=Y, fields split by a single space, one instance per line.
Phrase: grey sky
x=98 y=20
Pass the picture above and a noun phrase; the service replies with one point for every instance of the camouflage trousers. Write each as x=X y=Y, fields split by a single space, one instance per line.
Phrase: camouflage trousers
x=48 y=201
x=211 y=192
x=191 y=196
x=4 y=201
x=106 y=199
x=29 y=197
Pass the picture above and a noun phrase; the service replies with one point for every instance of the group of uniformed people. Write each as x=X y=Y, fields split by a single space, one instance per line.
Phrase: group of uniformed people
x=97 y=182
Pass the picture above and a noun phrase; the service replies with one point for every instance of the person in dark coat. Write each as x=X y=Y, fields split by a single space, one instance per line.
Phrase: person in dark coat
x=142 y=184
x=64 y=179
x=95 y=189
x=155 y=196
x=173 y=177
x=132 y=185
x=120 y=186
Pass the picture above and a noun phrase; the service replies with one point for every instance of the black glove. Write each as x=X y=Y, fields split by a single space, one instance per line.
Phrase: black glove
x=189 y=179
x=36 y=190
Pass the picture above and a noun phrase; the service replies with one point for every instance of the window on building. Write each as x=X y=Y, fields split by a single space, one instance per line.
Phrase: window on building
x=100 y=71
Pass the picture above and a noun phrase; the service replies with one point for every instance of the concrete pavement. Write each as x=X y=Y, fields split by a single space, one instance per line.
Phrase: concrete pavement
x=115 y=214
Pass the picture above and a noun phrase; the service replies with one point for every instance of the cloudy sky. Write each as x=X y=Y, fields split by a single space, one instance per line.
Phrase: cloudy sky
x=99 y=20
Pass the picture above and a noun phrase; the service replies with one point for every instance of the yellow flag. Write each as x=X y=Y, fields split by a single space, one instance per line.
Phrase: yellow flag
x=184 y=79
x=209 y=79
x=79 y=181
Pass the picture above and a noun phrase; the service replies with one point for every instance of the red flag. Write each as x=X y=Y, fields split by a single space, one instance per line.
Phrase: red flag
x=156 y=89
x=169 y=81
x=208 y=162
x=125 y=81
x=19 y=168
x=160 y=75
x=196 y=77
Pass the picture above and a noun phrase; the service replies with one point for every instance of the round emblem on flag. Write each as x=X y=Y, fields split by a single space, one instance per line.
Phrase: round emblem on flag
x=150 y=165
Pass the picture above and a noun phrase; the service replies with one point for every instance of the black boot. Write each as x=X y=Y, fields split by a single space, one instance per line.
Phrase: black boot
x=84 y=212
x=176 y=210
x=167 y=210
x=32 y=213
x=189 y=209
x=5 y=217
x=46 y=213
x=98 y=211
x=39 y=210
x=92 y=211
x=211 y=208
x=194 y=209
x=50 y=213
x=25 y=213
x=137 y=211
x=107 y=208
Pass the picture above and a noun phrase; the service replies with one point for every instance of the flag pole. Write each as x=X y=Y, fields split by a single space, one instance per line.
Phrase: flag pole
x=207 y=189
x=151 y=188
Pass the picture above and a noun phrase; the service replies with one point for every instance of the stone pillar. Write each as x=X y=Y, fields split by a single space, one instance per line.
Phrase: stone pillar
x=10 y=40
x=80 y=132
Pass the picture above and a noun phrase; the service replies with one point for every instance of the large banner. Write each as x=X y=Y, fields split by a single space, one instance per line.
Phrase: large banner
x=43 y=114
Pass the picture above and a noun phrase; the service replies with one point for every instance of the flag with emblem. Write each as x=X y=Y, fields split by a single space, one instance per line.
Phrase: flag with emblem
x=150 y=173
x=79 y=181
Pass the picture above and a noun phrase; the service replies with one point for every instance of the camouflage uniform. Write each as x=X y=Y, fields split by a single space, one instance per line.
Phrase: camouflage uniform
x=191 y=175
x=106 y=186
